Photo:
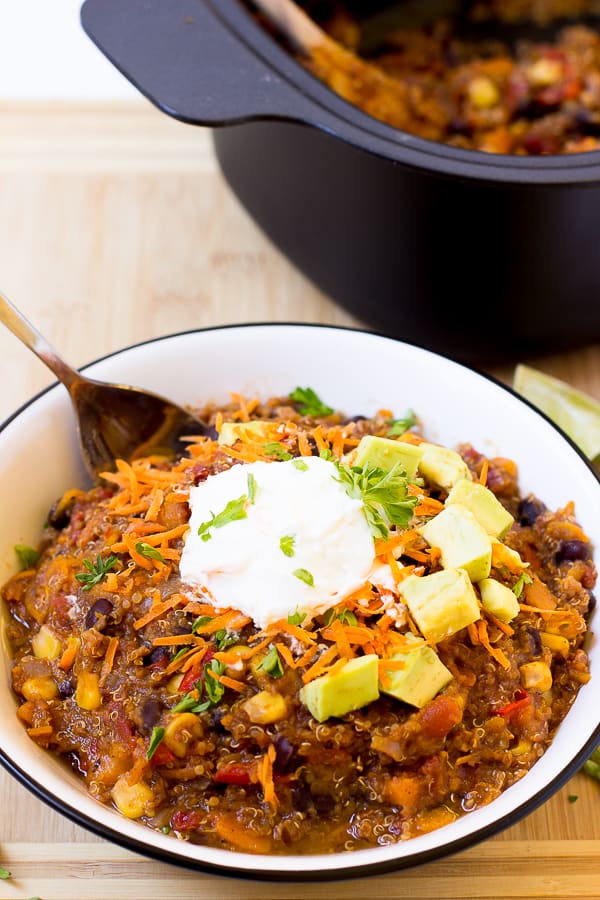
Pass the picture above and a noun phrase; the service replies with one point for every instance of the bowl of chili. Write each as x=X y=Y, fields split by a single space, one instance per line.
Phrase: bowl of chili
x=185 y=728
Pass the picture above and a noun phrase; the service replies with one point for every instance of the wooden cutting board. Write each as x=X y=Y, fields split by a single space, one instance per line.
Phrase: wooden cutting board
x=116 y=226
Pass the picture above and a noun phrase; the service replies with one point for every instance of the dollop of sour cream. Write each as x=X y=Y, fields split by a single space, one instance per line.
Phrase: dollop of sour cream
x=297 y=542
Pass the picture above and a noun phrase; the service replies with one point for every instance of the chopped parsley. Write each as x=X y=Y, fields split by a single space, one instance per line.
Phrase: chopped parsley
x=235 y=509
x=523 y=579
x=573 y=798
x=286 y=544
x=200 y=622
x=96 y=571
x=300 y=464
x=27 y=556
x=181 y=653
x=271 y=663
x=155 y=739
x=224 y=638
x=309 y=403
x=296 y=618
x=384 y=495
x=278 y=450
x=305 y=576
x=251 y=480
x=214 y=688
x=4 y=873
x=346 y=616
x=400 y=426
x=148 y=551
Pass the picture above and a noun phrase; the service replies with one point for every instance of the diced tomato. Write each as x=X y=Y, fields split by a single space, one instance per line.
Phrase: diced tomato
x=162 y=755
x=440 y=716
x=183 y=820
x=236 y=773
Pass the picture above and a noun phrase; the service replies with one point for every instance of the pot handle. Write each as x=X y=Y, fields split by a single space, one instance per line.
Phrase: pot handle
x=191 y=64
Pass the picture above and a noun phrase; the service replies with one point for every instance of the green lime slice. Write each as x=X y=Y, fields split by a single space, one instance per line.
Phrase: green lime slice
x=575 y=412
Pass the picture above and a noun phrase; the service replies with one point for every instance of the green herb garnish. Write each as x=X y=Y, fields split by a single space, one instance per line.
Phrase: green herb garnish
x=296 y=618
x=520 y=583
x=4 y=873
x=286 y=544
x=592 y=765
x=573 y=798
x=192 y=700
x=305 y=576
x=200 y=622
x=95 y=571
x=271 y=664
x=251 y=481
x=166 y=829
x=149 y=552
x=224 y=638
x=309 y=403
x=346 y=616
x=181 y=653
x=28 y=556
x=278 y=450
x=155 y=739
x=214 y=688
x=400 y=426
x=300 y=464
x=235 y=509
x=384 y=495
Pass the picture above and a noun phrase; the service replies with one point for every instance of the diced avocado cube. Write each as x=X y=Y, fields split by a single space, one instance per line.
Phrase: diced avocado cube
x=463 y=542
x=384 y=453
x=232 y=431
x=498 y=599
x=442 y=466
x=353 y=686
x=423 y=675
x=484 y=505
x=441 y=604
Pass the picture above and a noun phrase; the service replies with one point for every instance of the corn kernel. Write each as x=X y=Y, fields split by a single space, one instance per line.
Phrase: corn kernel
x=45 y=644
x=132 y=800
x=483 y=93
x=536 y=676
x=265 y=707
x=181 y=731
x=174 y=682
x=545 y=72
x=87 y=693
x=556 y=643
x=43 y=687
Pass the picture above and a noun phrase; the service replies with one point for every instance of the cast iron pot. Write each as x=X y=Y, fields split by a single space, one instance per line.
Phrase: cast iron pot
x=483 y=257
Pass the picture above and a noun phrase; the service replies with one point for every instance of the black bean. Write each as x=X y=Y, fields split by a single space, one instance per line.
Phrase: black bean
x=211 y=433
x=98 y=614
x=569 y=551
x=151 y=711
x=534 y=640
x=283 y=754
x=355 y=419
x=301 y=797
x=59 y=515
x=592 y=602
x=529 y=509
x=157 y=656
x=324 y=803
x=66 y=688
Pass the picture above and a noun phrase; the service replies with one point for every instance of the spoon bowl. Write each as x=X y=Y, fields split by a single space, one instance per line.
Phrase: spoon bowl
x=114 y=421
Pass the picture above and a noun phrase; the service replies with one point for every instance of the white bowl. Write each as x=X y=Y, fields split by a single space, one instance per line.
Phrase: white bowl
x=356 y=372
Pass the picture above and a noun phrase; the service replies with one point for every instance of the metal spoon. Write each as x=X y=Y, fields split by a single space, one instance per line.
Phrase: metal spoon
x=114 y=421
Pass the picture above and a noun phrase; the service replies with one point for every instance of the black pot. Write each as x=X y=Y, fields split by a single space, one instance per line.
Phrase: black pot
x=487 y=258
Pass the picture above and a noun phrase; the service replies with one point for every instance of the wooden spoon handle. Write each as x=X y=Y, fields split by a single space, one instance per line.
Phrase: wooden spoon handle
x=292 y=22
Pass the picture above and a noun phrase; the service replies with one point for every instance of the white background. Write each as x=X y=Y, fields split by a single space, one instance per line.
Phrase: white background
x=46 y=55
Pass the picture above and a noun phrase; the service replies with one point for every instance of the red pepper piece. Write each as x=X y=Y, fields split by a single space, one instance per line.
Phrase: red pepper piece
x=162 y=755
x=235 y=773
x=185 y=821
x=522 y=699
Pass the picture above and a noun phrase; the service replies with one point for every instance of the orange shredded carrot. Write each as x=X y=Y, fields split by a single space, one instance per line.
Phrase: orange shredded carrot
x=383 y=547
x=231 y=619
x=394 y=568
x=473 y=634
x=285 y=652
x=484 y=472
x=319 y=439
x=428 y=506
x=174 y=640
x=495 y=652
x=193 y=658
x=70 y=653
x=157 y=610
x=305 y=637
x=265 y=776
x=321 y=664
x=502 y=626
x=109 y=658
x=232 y=683
x=337 y=633
x=307 y=657
x=391 y=665
x=303 y=444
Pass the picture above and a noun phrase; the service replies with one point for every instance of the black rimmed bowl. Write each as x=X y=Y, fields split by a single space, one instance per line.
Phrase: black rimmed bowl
x=481 y=256
x=354 y=371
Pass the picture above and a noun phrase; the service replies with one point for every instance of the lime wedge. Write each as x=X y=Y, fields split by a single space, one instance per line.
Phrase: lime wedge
x=575 y=412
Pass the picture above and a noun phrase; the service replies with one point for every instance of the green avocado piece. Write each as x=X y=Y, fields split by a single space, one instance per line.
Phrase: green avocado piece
x=384 y=453
x=423 y=675
x=484 y=505
x=498 y=599
x=442 y=466
x=232 y=431
x=441 y=604
x=353 y=686
x=463 y=542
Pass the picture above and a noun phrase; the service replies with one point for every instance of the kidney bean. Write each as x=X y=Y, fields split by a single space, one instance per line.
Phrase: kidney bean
x=569 y=551
x=158 y=656
x=98 y=614
x=529 y=509
x=151 y=711
x=284 y=752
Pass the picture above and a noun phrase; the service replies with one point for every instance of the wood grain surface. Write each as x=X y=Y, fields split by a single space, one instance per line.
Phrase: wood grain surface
x=116 y=226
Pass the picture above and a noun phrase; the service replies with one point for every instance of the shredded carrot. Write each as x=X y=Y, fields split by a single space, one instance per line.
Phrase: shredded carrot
x=321 y=664
x=495 y=652
x=319 y=439
x=173 y=640
x=190 y=660
x=265 y=776
x=502 y=626
x=231 y=619
x=428 y=506
x=304 y=447
x=109 y=658
x=395 y=568
x=484 y=472
x=232 y=683
x=337 y=632
x=286 y=653
x=158 y=609
x=392 y=665
x=305 y=637
x=473 y=634
x=70 y=653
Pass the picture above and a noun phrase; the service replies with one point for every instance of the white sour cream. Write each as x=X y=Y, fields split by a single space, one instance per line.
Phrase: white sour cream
x=242 y=563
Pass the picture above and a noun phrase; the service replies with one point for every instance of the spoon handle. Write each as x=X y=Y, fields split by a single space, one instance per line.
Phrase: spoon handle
x=16 y=322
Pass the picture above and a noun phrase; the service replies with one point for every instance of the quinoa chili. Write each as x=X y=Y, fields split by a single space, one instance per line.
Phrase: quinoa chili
x=191 y=718
x=472 y=89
